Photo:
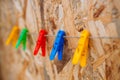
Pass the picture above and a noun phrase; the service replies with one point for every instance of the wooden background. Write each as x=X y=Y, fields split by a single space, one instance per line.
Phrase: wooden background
x=100 y=17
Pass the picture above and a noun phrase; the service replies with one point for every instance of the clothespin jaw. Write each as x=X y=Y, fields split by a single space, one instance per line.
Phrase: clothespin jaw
x=58 y=45
x=13 y=36
x=81 y=52
x=41 y=42
x=22 y=38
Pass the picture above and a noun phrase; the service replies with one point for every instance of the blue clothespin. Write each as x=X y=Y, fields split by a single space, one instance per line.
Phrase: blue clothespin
x=58 y=45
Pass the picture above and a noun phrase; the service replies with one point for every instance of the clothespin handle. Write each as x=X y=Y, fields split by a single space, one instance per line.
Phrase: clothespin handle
x=84 y=55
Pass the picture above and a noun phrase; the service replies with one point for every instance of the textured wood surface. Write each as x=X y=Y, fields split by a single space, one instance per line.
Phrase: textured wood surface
x=100 y=17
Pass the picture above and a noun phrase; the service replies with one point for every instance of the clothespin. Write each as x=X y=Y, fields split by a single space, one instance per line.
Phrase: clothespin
x=13 y=36
x=41 y=42
x=81 y=52
x=58 y=45
x=22 y=38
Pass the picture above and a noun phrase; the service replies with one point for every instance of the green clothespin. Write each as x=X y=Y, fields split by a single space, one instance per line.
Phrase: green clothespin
x=22 y=38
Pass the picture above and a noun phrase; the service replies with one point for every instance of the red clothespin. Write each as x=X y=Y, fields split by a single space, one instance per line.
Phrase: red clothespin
x=41 y=42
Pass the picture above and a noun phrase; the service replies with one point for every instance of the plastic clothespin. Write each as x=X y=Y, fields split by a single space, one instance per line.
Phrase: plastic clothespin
x=81 y=52
x=58 y=45
x=13 y=36
x=41 y=42
x=22 y=38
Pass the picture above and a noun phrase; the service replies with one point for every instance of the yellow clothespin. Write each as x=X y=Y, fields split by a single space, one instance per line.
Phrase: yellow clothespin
x=81 y=52
x=13 y=37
